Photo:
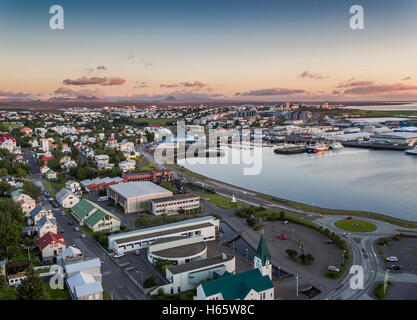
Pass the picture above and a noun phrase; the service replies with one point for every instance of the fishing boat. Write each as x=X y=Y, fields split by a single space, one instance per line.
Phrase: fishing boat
x=336 y=145
x=412 y=151
x=318 y=147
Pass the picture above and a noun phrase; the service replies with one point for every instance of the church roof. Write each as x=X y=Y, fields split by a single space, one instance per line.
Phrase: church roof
x=262 y=252
x=238 y=286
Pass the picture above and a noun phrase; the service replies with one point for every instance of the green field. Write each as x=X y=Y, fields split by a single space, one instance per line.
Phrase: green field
x=220 y=201
x=355 y=225
x=157 y=122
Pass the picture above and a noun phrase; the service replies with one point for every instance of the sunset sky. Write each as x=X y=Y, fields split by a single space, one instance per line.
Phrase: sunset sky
x=227 y=49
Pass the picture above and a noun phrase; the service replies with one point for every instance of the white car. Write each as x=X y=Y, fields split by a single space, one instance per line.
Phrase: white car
x=119 y=255
x=83 y=236
x=392 y=259
x=103 y=199
x=346 y=235
x=333 y=268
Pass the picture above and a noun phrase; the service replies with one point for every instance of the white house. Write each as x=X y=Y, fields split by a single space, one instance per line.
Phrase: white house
x=51 y=245
x=73 y=186
x=37 y=213
x=66 y=198
x=45 y=225
x=84 y=279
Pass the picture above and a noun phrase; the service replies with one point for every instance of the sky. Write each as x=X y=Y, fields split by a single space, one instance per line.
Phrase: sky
x=218 y=49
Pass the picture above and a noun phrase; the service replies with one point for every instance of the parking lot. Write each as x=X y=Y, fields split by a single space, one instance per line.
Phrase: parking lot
x=406 y=252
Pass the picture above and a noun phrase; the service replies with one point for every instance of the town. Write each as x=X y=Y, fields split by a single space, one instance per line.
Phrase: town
x=82 y=193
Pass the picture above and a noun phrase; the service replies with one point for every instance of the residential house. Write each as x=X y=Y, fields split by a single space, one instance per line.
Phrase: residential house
x=50 y=174
x=27 y=204
x=16 y=272
x=44 y=169
x=66 y=198
x=95 y=217
x=127 y=165
x=51 y=245
x=69 y=255
x=36 y=214
x=84 y=278
x=45 y=225
x=73 y=186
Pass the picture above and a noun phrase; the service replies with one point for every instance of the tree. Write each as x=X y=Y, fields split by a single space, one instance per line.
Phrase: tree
x=291 y=253
x=54 y=164
x=31 y=189
x=4 y=187
x=31 y=288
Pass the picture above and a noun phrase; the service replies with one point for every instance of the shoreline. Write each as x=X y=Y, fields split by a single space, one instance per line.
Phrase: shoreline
x=302 y=206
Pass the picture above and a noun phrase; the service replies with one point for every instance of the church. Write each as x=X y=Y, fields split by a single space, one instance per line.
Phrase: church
x=255 y=284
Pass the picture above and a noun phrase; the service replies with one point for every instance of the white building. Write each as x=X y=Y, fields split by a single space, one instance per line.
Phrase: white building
x=171 y=205
x=207 y=227
x=189 y=275
x=255 y=284
x=66 y=198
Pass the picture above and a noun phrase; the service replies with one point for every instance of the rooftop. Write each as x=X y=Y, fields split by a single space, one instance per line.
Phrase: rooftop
x=200 y=264
x=137 y=189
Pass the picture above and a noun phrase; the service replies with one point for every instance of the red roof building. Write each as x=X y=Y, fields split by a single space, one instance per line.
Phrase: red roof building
x=52 y=240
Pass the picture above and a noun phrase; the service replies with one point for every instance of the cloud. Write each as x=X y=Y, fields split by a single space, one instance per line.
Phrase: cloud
x=104 y=81
x=83 y=81
x=140 y=85
x=101 y=68
x=185 y=84
x=307 y=74
x=115 y=82
x=15 y=95
x=270 y=92
x=336 y=92
x=406 y=78
x=379 y=89
x=352 y=83
x=68 y=92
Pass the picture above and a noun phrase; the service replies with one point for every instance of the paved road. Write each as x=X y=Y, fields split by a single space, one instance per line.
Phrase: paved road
x=362 y=253
x=115 y=282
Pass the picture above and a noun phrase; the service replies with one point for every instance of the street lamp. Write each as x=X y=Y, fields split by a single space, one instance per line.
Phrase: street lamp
x=296 y=278
x=247 y=254
x=279 y=272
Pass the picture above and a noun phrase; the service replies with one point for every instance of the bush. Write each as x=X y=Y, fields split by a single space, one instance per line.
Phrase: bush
x=150 y=282
x=307 y=259
x=291 y=253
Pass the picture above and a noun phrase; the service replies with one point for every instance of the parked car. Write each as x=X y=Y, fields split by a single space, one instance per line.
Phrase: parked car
x=284 y=222
x=333 y=268
x=328 y=241
x=76 y=229
x=70 y=223
x=62 y=231
x=395 y=267
x=137 y=252
x=119 y=255
x=63 y=213
x=103 y=199
x=392 y=259
x=349 y=218
x=346 y=234
x=282 y=236
x=83 y=236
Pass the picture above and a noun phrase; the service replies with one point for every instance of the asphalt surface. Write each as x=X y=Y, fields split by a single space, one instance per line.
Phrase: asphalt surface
x=115 y=282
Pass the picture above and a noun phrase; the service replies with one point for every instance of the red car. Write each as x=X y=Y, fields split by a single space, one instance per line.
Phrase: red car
x=349 y=218
x=282 y=236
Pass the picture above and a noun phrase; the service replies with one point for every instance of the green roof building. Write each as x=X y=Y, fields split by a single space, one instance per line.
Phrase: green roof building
x=95 y=217
x=255 y=284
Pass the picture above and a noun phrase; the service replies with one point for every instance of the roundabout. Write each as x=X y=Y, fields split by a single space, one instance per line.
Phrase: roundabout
x=355 y=225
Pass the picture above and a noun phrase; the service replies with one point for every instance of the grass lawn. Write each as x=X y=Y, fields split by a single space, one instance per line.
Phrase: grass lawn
x=355 y=225
x=22 y=255
x=9 y=293
x=157 y=122
x=220 y=201
x=50 y=188
x=185 y=295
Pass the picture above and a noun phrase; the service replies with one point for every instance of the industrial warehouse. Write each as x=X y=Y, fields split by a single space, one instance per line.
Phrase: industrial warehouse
x=133 y=196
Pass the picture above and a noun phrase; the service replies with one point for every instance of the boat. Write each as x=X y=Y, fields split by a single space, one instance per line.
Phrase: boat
x=290 y=149
x=336 y=145
x=318 y=147
x=412 y=151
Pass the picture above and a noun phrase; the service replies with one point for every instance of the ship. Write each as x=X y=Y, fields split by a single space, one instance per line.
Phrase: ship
x=318 y=147
x=290 y=149
x=412 y=151
x=336 y=145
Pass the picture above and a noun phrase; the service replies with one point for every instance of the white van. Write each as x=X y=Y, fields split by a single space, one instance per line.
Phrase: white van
x=105 y=198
